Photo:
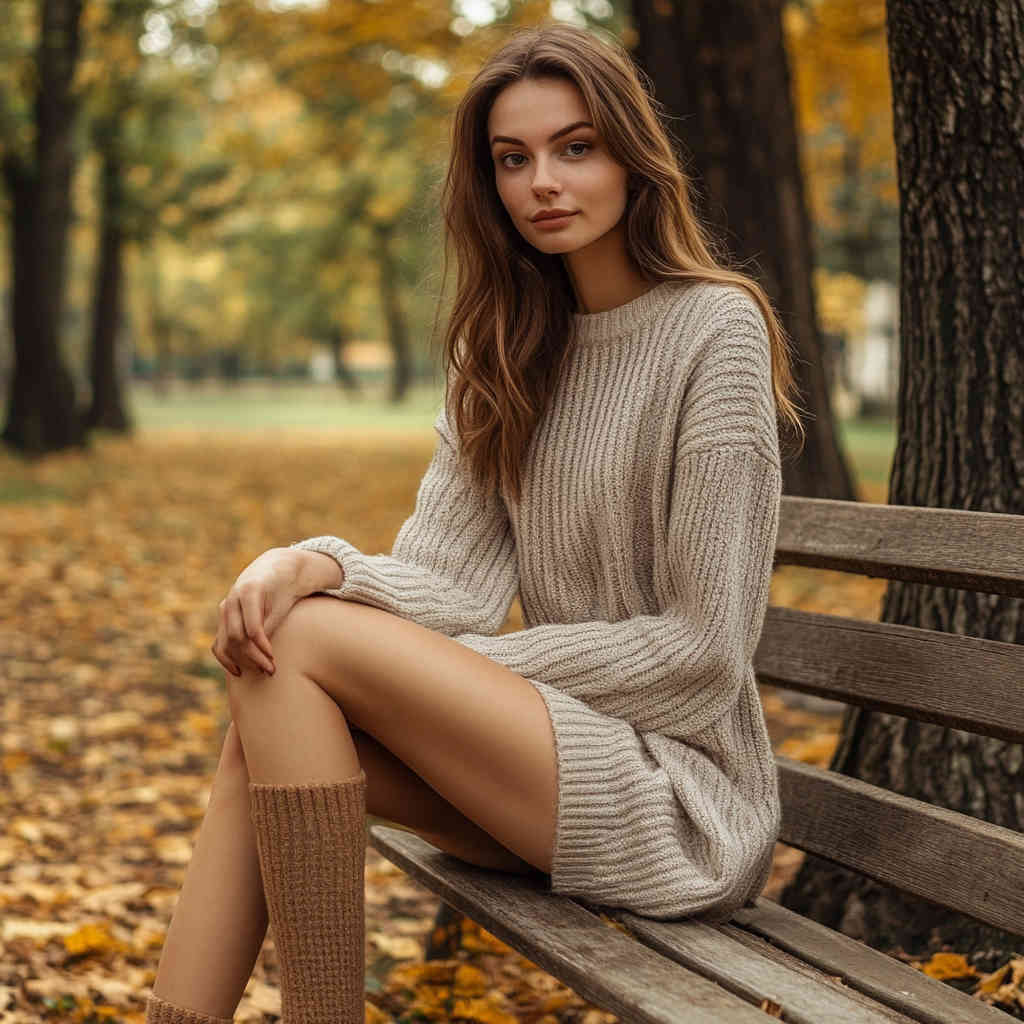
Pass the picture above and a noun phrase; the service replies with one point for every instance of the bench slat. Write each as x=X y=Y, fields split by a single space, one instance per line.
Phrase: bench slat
x=565 y=939
x=913 y=845
x=752 y=968
x=946 y=547
x=952 y=680
x=868 y=970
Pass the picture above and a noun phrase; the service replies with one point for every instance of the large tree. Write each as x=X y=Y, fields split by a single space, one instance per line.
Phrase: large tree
x=957 y=74
x=38 y=165
x=721 y=70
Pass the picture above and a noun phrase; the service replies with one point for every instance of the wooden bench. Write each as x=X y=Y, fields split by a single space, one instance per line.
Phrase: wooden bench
x=767 y=957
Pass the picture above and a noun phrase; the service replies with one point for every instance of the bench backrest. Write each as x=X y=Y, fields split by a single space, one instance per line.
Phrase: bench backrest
x=961 y=682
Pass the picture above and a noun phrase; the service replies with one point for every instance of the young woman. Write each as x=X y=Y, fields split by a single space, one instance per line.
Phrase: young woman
x=608 y=449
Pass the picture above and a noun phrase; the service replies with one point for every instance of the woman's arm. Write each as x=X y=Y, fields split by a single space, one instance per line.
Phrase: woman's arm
x=453 y=567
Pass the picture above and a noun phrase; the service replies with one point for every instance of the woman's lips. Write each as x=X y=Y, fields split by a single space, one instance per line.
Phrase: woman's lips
x=554 y=222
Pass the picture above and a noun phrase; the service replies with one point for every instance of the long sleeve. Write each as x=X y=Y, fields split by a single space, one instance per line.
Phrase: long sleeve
x=677 y=671
x=453 y=565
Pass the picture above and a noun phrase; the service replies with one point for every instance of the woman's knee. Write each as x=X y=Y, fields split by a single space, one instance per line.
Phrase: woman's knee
x=232 y=766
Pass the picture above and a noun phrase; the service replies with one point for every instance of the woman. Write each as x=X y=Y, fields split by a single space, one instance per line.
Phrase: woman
x=608 y=449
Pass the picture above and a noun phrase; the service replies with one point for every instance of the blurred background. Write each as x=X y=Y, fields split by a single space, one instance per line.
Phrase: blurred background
x=252 y=231
x=220 y=258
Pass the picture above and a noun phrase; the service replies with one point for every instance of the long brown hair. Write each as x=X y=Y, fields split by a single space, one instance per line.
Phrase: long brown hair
x=513 y=306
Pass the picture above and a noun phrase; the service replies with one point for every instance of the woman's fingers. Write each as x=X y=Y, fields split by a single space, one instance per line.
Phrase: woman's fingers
x=252 y=617
x=227 y=663
x=219 y=647
x=220 y=654
x=239 y=643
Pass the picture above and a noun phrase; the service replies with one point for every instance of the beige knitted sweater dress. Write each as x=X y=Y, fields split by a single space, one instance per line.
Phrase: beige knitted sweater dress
x=641 y=551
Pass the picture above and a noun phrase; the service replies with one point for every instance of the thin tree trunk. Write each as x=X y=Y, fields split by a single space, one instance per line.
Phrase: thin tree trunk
x=721 y=70
x=398 y=333
x=42 y=414
x=342 y=371
x=958 y=93
x=107 y=409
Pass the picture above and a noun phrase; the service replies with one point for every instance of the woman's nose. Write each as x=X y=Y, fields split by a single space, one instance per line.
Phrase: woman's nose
x=543 y=181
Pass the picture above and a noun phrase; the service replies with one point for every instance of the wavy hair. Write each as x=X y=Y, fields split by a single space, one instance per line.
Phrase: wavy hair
x=513 y=305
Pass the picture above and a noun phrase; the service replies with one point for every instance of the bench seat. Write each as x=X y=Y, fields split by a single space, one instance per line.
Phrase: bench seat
x=687 y=972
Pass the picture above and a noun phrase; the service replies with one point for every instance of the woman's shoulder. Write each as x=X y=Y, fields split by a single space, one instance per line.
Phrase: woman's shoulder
x=713 y=304
x=711 y=321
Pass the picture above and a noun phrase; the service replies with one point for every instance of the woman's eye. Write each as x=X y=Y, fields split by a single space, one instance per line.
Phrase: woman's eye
x=586 y=146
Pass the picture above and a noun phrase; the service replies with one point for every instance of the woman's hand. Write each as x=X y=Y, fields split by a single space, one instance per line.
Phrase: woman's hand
x=260 y=598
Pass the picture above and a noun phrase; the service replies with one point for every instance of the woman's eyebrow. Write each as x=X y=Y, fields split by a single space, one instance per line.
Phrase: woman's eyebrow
x=561 y=131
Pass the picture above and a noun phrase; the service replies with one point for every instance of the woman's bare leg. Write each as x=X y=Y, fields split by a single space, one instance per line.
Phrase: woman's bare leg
x=472 y=730
x=475 y=727
x=220 y=919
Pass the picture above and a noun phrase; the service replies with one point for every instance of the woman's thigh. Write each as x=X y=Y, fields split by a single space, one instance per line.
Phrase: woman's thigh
x=395 y=793
x=474 y=731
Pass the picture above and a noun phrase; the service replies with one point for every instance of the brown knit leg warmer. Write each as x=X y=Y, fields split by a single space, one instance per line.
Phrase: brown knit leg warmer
x=159 y=1011
x=311 y=839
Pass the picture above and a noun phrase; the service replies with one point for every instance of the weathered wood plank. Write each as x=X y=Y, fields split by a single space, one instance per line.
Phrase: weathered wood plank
x=725 y=954
x=869 y=828
x=869 y=971
x=565 y=939
x=952 y=680
x=946 y=547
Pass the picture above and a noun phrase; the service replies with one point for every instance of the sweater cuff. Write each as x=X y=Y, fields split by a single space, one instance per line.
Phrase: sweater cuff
x=343 y=553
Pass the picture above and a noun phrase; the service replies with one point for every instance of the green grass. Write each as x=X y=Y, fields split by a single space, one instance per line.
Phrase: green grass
x=284 y=406
x=15 y=490
x=869 y=444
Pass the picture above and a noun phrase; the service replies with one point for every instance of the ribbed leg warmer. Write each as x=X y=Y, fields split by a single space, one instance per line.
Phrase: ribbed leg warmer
x=159 y=1011
x=311 y=839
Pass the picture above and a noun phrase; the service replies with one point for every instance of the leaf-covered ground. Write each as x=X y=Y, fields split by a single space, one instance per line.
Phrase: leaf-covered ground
x=112 y=563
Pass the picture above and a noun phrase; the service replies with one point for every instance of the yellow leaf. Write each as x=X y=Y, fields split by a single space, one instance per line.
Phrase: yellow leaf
x=948 y=965
x=487 y=1010
x=197 y=721
x=374 y=1015
x=470 y=980
x=557 y=1001
x=90 y=938
x=11 y=762
x=990 y=982
x=433 y=972
x=817 y=749
x=478 y=940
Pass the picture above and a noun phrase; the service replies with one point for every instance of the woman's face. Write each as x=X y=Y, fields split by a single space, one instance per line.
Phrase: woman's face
x=536 y=172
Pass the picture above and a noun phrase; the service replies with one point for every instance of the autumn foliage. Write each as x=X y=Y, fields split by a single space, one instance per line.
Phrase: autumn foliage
x=111 y=568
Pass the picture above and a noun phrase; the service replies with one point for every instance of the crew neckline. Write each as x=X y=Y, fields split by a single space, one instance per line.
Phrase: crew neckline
x=610 y=324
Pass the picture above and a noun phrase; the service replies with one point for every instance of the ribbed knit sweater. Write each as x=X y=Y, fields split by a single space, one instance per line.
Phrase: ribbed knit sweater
x=641 y=550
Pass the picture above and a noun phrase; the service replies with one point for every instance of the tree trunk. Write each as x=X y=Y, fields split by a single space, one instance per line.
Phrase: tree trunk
x=720 y=69
x=342 y=371
x=107 y=409
x=398 y=334
x=42 y=415
x=958 y=94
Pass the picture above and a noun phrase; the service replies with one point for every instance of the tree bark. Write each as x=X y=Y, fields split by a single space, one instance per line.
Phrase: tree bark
x=958 y=93
x=42 y=414
x=107 y=409
x=721 y=71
